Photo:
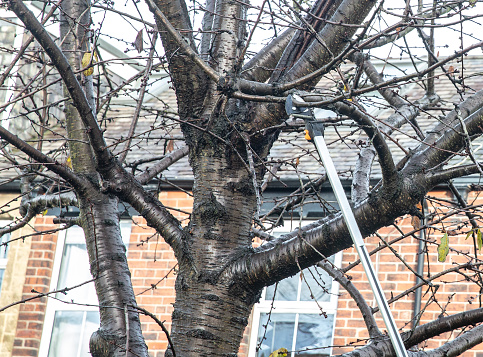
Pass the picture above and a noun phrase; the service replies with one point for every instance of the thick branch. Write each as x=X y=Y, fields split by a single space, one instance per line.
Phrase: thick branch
x=384 y=204
x=230 y=27
x=444 y=324
x=27 y=217
x=188 y=78
x=335 y=37
x=207 y=28
x=459 y=345
x=41 y=158
x=312 y=24
x=41 y=203
x=162 y=165
x=452 y=142
x=276 y=259
x=388 y=168
x=467 y=107
x=181 y=42
x=360 y=186
x=261 y=66
x=98 y=216
x=443 y=176
x=124 y=186
x=347 y=108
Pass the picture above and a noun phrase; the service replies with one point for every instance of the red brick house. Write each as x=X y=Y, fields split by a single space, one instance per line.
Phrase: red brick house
x=46 y=258
x=49 y=260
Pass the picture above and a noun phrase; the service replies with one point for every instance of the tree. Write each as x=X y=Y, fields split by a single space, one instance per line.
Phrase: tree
x=231 y=112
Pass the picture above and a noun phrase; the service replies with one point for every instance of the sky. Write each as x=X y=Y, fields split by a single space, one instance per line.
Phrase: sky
x=447 y=39
x=121 y=31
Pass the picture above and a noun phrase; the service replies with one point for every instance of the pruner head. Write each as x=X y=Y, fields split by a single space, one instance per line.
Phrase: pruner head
x=312 y=126
x=297 y=111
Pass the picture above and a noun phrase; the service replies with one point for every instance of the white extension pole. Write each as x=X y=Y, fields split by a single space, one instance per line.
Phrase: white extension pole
x=360 y=246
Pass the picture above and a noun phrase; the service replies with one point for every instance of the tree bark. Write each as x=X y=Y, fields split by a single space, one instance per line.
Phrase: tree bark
x=98 y=212
x=211 y=312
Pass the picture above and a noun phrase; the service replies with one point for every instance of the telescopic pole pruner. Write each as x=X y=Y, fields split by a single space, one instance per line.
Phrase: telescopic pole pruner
x=315 y=133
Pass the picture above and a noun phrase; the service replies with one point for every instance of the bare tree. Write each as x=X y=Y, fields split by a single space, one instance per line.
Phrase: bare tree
x=230 y=112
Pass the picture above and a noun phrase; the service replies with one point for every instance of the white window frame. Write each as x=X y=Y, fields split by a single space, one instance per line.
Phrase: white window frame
x=291 y=307
x=3 y=261
x=54 y=305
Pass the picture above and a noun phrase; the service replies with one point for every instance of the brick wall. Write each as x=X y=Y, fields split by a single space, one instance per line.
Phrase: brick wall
x=449 y=295
x=394 y=278
x=153 y=270
x=38 y=275
x=18 y=254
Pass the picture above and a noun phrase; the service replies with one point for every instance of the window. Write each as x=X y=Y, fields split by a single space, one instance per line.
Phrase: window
x=289 y=314
x=68 y=327
x=3 y=251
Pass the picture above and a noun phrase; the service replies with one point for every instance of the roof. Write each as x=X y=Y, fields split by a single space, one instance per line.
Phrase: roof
x=344 y=139
x=157 y=131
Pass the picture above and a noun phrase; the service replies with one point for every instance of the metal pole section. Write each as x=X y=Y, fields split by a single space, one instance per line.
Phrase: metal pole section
x=360 y=246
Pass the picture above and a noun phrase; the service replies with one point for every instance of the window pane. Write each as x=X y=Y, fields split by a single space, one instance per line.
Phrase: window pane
x=278 y=333
x=71 y=333
x=66 y=332
x=3 y=239
x=286 y=289
x=320 y=284
x=91 y=324
x=3 y=251
x=125 y=231
x=313 y=332
x=75 y=270
x=318 y=280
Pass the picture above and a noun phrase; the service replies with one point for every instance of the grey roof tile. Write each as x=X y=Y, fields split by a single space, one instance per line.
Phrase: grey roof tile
x=157 y=125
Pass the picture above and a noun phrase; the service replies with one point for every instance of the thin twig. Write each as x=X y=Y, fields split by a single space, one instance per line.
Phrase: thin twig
x=25 y=45
x=40 y=295
x=254 y=176
x=142 y=91
x=160 y=324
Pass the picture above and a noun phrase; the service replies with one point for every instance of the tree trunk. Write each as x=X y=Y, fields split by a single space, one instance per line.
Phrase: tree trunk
x=211 y=313
x=208 y=318
x=98 y=211
x=108 y=264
